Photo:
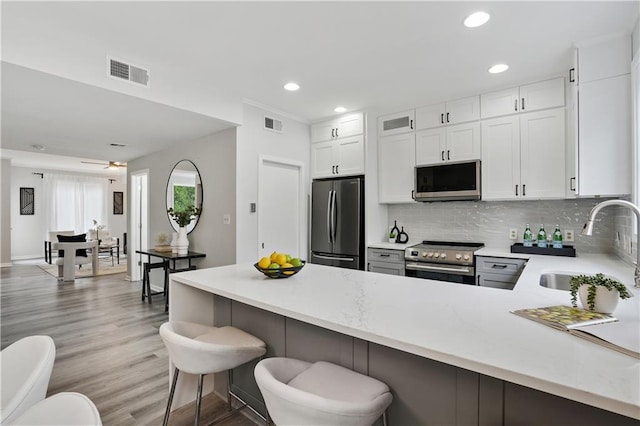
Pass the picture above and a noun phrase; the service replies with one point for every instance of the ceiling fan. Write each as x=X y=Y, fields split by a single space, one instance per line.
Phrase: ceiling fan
x=113 y=165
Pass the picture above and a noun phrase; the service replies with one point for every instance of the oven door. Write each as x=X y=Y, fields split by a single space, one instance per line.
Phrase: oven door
x=449 y=273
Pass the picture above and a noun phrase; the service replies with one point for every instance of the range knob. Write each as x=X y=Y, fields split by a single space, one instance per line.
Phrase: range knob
x=466 y=257
x=437 y=255
x=424 y=254
x=430 y=254
x=443 y=255
x=458 y=256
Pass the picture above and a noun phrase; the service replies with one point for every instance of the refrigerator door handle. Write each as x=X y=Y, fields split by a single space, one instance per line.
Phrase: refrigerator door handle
x=329 y=232
x=334 y=217
x=319 y=256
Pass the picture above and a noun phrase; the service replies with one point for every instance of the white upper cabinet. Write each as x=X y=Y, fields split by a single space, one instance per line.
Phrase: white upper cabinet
x=454 y=143
x=393 y=124
x=396 y=164
x=346 y=125
x=526 y=98
x=523 y=157
x=604 y=58
x=460 y=111
x=342 y=157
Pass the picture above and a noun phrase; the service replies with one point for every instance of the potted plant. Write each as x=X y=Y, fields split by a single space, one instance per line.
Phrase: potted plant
x=392 y=237
x=184 y=218
x=597 y=292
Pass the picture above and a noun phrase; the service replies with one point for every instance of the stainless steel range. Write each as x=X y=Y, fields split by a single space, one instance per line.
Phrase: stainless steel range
x=442 y=261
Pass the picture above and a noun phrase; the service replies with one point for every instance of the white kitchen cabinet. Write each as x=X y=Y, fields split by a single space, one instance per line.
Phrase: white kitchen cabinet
x=603 y=119
x=526 y=98
x=523 y=157
x=460 y=142
x=454 y=112
x=399 y=122
x=340 y=157
x=344 y=126
x=396 y=164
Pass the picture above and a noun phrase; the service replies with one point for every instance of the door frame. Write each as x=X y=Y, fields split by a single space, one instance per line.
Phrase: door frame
x=262 y=160
x=139 y=206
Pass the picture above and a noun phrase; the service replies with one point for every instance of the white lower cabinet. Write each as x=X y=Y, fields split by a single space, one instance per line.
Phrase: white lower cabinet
x=396 y=164
x=386 y=261
x=339 y=157
x=523 y=157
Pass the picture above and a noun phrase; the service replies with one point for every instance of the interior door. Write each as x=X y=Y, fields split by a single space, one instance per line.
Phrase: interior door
x=347 y=216
x=320 y=199
x=139 y=223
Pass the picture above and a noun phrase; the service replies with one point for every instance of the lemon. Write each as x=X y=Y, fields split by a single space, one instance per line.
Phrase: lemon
x=281 y=259
x=264 y=262
x=287 y=265
x=273 y=256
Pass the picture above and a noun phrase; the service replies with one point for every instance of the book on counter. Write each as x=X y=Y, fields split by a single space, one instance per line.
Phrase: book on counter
x=602 y=329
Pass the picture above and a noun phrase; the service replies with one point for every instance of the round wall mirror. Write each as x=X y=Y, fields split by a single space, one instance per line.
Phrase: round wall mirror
x=184 y=188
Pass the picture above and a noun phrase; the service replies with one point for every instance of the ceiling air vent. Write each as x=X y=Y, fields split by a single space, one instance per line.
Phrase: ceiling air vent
x=119 y=69
x=272 y=124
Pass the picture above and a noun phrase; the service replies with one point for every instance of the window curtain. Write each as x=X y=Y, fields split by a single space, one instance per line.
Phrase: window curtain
x=74 y=202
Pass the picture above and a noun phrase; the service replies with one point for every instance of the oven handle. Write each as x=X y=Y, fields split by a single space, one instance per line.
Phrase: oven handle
x=463 y=270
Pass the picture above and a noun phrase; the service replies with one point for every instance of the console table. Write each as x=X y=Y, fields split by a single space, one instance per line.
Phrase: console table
x=168 y=264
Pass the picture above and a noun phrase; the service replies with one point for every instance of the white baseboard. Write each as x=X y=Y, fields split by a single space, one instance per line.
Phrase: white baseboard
x=28 y=256
x=6 y=265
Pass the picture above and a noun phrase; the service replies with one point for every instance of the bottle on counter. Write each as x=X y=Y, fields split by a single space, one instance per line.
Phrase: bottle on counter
x=542 y=237
x=527 y=238
x=557 y=237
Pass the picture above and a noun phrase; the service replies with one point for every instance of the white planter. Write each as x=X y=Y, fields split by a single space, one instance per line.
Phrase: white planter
x=606 y=300
x=174 y=243
x=392 y=240
x=183 y=241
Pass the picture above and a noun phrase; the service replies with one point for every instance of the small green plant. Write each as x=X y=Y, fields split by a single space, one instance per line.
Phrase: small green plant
x=184 y=217
x=593 y=281
x=392 y=235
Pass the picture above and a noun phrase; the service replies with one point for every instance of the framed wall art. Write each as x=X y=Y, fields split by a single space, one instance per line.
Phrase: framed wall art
x=118 y=202
x=27 y=201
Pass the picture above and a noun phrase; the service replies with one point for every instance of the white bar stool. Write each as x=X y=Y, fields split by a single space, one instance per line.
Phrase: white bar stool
x=25 y=370
x=66 y=408
x=201 y=349
x=301 y=393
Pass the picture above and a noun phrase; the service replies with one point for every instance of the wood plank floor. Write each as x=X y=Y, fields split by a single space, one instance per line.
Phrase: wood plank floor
x=107 y=343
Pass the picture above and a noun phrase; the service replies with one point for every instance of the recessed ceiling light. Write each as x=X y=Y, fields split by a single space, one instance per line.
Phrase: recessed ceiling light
x=476 y=19
x=498 y=68
x=339 y=109
x=292 y=87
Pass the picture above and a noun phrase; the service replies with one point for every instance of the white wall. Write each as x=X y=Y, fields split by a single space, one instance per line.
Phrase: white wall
x=375 y=214
x=253 y=141
x=5 y=213
x=28 y=232
x=214 y=156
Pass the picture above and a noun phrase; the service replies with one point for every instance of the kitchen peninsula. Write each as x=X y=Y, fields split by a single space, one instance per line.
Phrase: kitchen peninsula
x=451 y=353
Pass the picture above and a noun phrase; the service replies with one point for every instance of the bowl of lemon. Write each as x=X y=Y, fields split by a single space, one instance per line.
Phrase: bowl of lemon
x=279 y=265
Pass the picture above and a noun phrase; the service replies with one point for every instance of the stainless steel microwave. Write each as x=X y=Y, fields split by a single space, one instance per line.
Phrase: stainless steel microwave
x=448 y=181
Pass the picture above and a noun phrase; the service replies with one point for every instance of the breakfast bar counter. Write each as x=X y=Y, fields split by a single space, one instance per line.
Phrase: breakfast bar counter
x=465 y=328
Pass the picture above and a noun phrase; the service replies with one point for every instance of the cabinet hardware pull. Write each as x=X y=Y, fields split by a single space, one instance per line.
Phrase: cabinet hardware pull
x=337 y=132
x=448 y=155
x=524 y=190
x=411 y=124
x=572 y=185
x=413 y=195
x=337 y=171
x=333 y=133
x=442 y=118
x=523 y=104
x=515 y=105
x=496 y=266
x=369 y=266
x=447 y=117
x=384 y=255
x=442 y=155
x=478 y=280
x=516 y=190
x=333 y=170
x=572 y=75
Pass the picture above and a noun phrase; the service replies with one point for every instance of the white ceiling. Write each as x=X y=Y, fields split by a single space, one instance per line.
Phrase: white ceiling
x=381 y=55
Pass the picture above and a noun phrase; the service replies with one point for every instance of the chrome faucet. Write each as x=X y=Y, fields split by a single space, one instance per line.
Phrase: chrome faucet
x=587 y=229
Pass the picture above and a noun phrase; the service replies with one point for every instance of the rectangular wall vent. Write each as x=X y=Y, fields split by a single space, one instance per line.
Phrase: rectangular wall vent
x=272 y=124
x=122 y=70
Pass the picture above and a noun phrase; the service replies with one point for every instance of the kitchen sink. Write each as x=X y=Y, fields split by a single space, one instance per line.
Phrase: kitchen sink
x=556 y=281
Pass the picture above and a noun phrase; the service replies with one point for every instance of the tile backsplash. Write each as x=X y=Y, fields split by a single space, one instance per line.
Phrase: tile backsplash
x=490 y=222
x=623 y=222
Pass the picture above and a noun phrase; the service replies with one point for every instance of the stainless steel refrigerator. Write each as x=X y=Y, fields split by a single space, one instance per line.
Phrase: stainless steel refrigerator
x=337 y=222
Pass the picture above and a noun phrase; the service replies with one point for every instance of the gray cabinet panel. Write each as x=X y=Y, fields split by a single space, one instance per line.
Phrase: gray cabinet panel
x=424 y=391
x=311 y=343
x=524 y=406
x=490 y=401
x=386 y=268
x=467 y=397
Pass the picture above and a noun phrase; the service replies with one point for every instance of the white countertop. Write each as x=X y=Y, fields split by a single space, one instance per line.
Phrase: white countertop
x=390 y=246
x=465 y=326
